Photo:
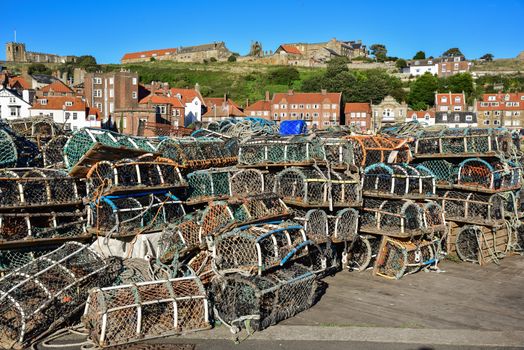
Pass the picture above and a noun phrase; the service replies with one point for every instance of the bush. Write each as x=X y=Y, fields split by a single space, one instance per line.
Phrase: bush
x=283 y=76
x=39 y=68
x=232 y=58
x=212 y=59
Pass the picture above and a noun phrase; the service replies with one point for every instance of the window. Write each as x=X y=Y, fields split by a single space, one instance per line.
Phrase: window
x=283 y=106
x=97 y=81
x=326 y=123
x=497 y=113
x=275 y=115
x=352 y=114
x=99 y=106
x=43 y=102
x=161 y=109
x=134 y=81
x=111 y=93
x=67 y=126
x=75 y=116
x=14 y=112
x=414 y=117
x=487 y=113
x=283 y=114
x=111 y=81
x=492 y=98
x=308 y=106
x=12 y=100
x=97 y=93
x=486 y=122
x=457 y=108
x=252 y=112
x=516 y=123
x=315 y=115
x=111 y=107
x=469 y=118
x=67 y=115
x=301 y=106
x=51 y=114
x=308 y=116
x=496 y=122
x=426 y=117
x=508 y=113
x=325 y=106
x=444 y=117
x=444 y=100
x=457 y=117
x=294 y=115
x=325 y=114
x=507 y=123
x=68 y=103
x=134 y=94
x=266 y=113
x=315 y=106
x=293 y=106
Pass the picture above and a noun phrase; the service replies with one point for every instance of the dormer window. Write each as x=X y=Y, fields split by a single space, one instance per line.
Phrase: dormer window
x=69 y=103
x=43 y=102
x=444 y=100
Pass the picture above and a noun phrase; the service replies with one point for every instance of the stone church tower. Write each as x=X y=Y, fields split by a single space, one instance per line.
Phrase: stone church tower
x=15 y=52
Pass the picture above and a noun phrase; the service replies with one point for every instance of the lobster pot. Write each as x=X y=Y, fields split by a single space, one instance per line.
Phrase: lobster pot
x=268 y=151
x=477 y=174
x=264 y=300
x=397 y=258
x=53 y=152
x=398 y=180
x=519 y=202
x=240 y=128
x=481 y=244
x=259 y=208
x=434 y=221
x=146 y=310
x=315 y=223
x=209 y=184
x=201 y=265
x=37 y=187
x=369 y=150
x=86 y=139
x=461 y=142
x=202 y=152
x=17 y=151
x=41 y=295
x=397 y=218
x=445 y=173
x=310 y=187
x=39 y=128
x=14 y=258
x=258 y=248
x=362 y=252
x=136 y=174
x=517 y=241
x=343 y=225
x=247 y=182
x=125 y=215
x=339 y=153
x=42 y=226
x=475 y=208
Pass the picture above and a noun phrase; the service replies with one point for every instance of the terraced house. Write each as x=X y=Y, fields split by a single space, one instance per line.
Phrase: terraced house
x=502 y=109
x=318 y=109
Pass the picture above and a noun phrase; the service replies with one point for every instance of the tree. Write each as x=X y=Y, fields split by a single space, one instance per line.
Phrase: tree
x=487 y=57
x=336 y=66
x=284 y=76
x=39 y=68
x=401 y=63
x=453 y=52
x=85 y=61
x=420 y=55
x=379 y=51
x=462 y=82
x=422 y=91
x=232 y=58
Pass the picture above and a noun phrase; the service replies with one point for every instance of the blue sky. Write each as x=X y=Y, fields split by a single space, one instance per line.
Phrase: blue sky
x=107 y=29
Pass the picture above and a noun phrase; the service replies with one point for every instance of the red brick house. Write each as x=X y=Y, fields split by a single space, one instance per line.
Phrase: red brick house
x=502 y=109
x=260 y=109
x=220 y=108
x=450 y=102
x=318 y=109
x=358 y=114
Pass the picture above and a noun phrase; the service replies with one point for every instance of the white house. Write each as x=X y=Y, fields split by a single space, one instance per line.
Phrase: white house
x=426 y=118
x=67 y=110
x=420 y=67
x=192 y=101
x=13 y=105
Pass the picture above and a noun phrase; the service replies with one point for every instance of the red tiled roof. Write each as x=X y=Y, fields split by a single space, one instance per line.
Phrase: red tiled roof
x=500 y=102
x=150 y=53
x=59 y=103
x=162 y=100
x=291 y=49
x=420 y=114
x=23 y=83
x=57 y=86
x=261 y=105
x=93 y=111
x=216 y=106
x=357 y=107
x=186 y=95
x=451 y=98
x=307 y=97
x=209 y=101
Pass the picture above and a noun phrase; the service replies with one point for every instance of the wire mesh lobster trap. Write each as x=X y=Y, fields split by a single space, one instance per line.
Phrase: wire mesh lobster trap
x=14 y=258
x=31 y=187
x=146 y=310
x=479 y=175
x=240 y=127
x=369 y=150
x=39 y=296
x=192 y=229
x=247 y=182
x=343 y=225
x=312 y=187
x=396 y=218
x=195 y=153
x=481 y=245
x=201 y=265
x=397 y=258
x=258 y=248
x=145 y=172
x=339 y=153
x=258 y=302
x=463 y=142
x=398 y=180
x=445 y=173
x=315 y=223
x=361 y=253
x=53 y=152
x=37 y=128
x=88 y=146
x=40 y=227
x=280 y=151
x=474 y=208
x=209 y=184
x=17 y=151
x=128 y=214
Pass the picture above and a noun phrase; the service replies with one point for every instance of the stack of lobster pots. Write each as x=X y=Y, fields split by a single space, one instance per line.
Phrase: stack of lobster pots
x=478 y=179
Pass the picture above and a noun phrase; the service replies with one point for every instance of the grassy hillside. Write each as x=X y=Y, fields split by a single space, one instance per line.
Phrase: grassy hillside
x=500 y=65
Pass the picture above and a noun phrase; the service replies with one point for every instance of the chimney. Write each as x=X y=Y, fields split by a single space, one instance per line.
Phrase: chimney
x=323 y=91
x=197 y=87
x=290 y=92
x=25 y=96
x=267 y=95
x=247 y=102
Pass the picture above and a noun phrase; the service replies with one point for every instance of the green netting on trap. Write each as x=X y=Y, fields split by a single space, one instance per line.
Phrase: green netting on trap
x=14 y=258
x=262 y=301
x=17 y=151
x=53 y=152
x=84 y=139
x=475 y=208
x=397 y=258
